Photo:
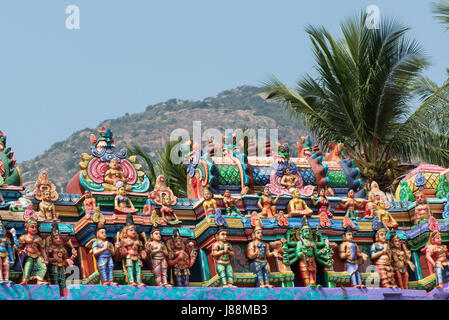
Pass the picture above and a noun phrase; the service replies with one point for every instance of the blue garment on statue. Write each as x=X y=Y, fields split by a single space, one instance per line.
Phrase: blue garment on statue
x=353 y=270
x=105 y=263
x=261 y=247
x=219 y=219
x=442 y=274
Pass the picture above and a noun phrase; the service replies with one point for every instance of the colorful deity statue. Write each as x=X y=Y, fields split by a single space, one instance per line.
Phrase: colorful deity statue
x=45 y=192
x=401 y=257
x=267 y=205
x=6 y=252
x=282 y=219
x=103 y=251
x=385 y=217
x=422 y=208
x=376 y=195
x=304 y=147
x=289 y=180
x=114 y=175
x=230 y=204
x=324 y=207
x=382 y=257
x=181 y=257
x=164 y=197
x=90 y=204
x=159 y=255
x=33 y=247
x=255 y=219
x=297 y=206
x=308 y=248
x=122 y=203
x=351 y=253
x=259 y=251
x=131 y=250
x=58 y=257
x=337 y=152
x=222 y=252
x=9 y=174
x=437 y=257
x=209 y=203
x=148 y=208
x=350 y=204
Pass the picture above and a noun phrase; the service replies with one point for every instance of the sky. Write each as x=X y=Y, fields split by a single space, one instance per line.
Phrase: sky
x=127 y=55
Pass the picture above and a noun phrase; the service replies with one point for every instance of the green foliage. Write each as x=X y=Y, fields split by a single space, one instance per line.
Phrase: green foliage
x=441 y=12
x=362 y=97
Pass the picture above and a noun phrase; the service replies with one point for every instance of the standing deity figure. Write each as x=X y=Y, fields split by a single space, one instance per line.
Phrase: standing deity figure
x=267 y=205
x=230 y=204
x=259 y=251
x=122 y=203
x=158 y=253
x=422 y=208
x=181 y=258
x=6 y=252
x=350 y=252
x=297 y=207
x=148 y=208
x=401 y=259
x=33 y=247
x=58 y=258
x=324 y=207
x=222 y=252
x=89 y=204
x=350 y=203
x=209 y=203
x=114 y=175
x=168 y=213
x=385 y=217
x=103 y=251
x=289 y=180
x=437 y=257
x=45 y=192
x=382 y=257
x=307 y=248
x=130 y=248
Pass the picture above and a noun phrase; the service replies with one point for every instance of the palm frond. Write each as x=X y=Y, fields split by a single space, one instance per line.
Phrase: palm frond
x=441 y=12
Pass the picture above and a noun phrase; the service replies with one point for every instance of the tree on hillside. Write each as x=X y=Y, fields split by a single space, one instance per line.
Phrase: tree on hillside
x=362 y=96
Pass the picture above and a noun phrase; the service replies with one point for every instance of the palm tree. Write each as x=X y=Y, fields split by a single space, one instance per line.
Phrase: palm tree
x=441 y=12
x=366 y=82
x=175 y=174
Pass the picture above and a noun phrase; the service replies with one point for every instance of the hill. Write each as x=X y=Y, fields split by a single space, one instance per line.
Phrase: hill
x=242 y=107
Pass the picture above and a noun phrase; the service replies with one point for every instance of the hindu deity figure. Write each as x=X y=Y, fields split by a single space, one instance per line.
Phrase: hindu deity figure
x=282 y=219
x=47 y=209
x=222 y=252
x=376 y=195
x=181 y=258
x=230 y=204
x=350 y=253
x=297 y=206
x=89 y=204
x=114 y=175
x=33 y=247
x=381 y=255
x=159 y=255
x=401 y=259
x=209 y=203
x=149 y=205
x=255 y=219
x=267 y=204
x=385 y=217
x=304 y=146
x=350 y=203
x=289 y=180
x=337 y=152
x=6 y=252
x=259 y=251
x=307 y=248
x=437 y=257
x=164 y=197
x=130 y=248
x=45 y=191
x=103 y=251
x=324 y=207
x=122 y=203
x=422 y=208
x=58 y=258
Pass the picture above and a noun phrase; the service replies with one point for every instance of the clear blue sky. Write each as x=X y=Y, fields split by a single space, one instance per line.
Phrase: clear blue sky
x=130 y=54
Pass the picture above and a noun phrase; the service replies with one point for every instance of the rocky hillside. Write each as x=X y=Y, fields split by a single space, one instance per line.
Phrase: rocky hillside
x=243 y=107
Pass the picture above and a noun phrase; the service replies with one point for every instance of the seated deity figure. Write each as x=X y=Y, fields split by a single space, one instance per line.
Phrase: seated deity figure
x=297 y=206
x=289 y=180
x=114 y=175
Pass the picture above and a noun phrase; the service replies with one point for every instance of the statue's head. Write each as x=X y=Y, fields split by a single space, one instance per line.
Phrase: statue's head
x=381 y=205
x=395 y=241
x=87 y=194
x=101 y=233
x=55 y=234
x=227 y=194
x=113 y=164
x=374 y=186
x=435 y=238
x=122 y=191
x=207 y=194
x=31 y=226
x=47 y=195
x=351 y=193
x=155 y=235
x=295 y=194
x=322 y=192
x=166 y=200
x=420 y=197
x=381 y=235
x=266 y=191
x=287 y=171
x=257 y=232
x=348 y=235
x=130 y=232
x=222 y=235
x=306 y=232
